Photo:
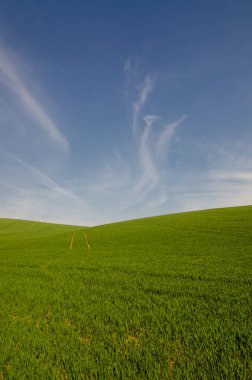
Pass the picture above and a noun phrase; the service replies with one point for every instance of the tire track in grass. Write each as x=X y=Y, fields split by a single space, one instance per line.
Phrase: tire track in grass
x=57 y=259
x=73 y=248
x=72 y=240
x=87 y=242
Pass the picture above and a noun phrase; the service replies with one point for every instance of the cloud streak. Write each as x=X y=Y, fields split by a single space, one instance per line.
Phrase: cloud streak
x=150 y=174
x=127 y=69
x=144 y=90
x=10 y=76
x=166 y=136
x=147 y=169
x=44 y=179
x=153 y=143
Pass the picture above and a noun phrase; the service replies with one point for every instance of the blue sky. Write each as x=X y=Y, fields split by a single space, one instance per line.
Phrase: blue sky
x=117 y=110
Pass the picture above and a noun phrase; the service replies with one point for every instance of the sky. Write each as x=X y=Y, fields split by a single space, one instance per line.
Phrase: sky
x=115 y=110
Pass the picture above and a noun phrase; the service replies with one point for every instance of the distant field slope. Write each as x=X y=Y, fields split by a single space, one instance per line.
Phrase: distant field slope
x=159 y=298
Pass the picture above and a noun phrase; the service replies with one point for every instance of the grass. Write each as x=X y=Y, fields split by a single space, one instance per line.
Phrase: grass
x=159 y=298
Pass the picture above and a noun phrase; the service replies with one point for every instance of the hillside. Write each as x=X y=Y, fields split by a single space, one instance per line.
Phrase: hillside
x=156 y=298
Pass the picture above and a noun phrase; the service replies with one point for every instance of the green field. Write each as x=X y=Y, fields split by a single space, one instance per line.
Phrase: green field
x=167 y=297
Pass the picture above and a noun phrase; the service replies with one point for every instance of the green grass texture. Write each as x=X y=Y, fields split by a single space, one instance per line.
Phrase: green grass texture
x=166 y=297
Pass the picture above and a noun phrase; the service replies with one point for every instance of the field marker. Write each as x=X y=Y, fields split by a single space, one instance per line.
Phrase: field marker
x=88 y=245
x=71 y=244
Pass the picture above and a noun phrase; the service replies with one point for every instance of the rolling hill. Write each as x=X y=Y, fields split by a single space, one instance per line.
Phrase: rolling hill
x=166 y=297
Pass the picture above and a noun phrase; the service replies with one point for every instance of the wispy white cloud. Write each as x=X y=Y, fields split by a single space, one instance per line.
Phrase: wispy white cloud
x=11 y=77
x=149 y=172
x=225 y=181
x=166 y=136
x=39 y=203
x=28 y=193
x=159 y=200
x=44 y=179
x=115 y=175
x=8 y=185
x=127 y=65
x=231 y=176
x=151 y=146
x=127 y=69
x=143 y=92
x=137 y=184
